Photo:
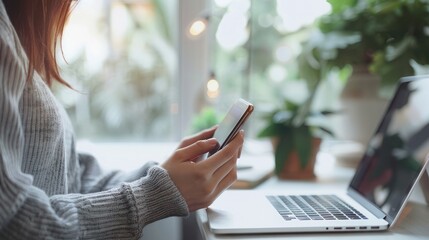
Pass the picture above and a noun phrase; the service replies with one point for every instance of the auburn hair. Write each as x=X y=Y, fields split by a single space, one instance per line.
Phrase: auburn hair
x=39 y=25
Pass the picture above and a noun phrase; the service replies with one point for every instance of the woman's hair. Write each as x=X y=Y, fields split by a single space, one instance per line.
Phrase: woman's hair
x=39 y=25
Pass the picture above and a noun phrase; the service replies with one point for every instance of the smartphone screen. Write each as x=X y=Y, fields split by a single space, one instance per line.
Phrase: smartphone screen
x=232 y=123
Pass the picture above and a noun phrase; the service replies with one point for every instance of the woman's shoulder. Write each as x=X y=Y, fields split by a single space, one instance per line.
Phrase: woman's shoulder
x=12 y=55
x=8 y=36
x=6 y=28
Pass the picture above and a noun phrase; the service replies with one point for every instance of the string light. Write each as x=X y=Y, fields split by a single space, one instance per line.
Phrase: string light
x=212 y=87
x=198 y=26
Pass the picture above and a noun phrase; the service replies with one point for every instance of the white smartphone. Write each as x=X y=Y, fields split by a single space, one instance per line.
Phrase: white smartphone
x=232 y=123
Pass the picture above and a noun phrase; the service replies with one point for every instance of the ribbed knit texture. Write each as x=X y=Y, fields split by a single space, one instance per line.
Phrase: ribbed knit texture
x=47 y=189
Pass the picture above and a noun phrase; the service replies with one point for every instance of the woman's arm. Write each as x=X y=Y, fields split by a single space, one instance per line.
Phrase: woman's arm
x=93 y=179
x=26 y=212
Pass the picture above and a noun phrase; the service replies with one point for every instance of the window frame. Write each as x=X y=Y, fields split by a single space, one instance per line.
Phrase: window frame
x=192 y=64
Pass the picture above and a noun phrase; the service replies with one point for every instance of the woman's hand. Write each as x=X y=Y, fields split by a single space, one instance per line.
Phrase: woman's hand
x=201 y=182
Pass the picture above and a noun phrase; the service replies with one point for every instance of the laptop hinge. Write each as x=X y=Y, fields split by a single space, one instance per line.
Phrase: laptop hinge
x=367 y=204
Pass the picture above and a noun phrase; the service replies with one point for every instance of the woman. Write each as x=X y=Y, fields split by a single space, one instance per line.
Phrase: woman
x=47 y=189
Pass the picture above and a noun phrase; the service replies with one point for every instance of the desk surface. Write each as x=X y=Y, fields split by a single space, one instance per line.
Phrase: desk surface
x=413 y=225
x=414 y=222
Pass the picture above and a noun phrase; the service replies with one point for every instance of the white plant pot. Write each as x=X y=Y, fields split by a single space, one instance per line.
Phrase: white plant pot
x=361 y=107
x=361 y=111
x=359 y=118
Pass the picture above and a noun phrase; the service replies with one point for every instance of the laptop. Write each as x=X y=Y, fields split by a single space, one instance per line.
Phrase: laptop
x=393 y=162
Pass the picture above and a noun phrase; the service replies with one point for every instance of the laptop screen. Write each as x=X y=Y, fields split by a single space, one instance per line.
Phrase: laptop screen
x=396 y=153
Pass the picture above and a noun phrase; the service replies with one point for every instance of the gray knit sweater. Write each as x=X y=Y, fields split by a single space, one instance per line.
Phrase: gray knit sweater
x=47 y=189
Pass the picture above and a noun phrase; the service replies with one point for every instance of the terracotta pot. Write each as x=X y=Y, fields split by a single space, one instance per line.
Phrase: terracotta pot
x=292 y=168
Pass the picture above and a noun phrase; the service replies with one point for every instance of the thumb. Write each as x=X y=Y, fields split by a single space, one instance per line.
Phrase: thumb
x=196 y=149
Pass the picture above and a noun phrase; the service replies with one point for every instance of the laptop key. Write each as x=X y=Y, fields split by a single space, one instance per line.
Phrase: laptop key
x=314 y=207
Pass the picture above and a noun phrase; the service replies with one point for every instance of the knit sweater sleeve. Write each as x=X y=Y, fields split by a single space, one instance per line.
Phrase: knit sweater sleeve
x=26 y=212
x=94 y=179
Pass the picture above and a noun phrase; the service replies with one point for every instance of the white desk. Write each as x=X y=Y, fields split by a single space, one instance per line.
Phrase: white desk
x=414 y=222
x=128 y=156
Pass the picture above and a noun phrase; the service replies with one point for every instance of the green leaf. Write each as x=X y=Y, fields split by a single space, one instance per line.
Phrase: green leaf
x=386 y=7
x=328 y=112
x=303 y=145
x=269 y=131
x=282 y=116
x=282 y=152
x=397 y=50
x=325 y=130
x=341 y=5
x=410 y=163
x=389 y=71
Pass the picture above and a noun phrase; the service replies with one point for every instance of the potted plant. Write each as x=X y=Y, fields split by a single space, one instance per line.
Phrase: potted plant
x=378 y=42
x=295 y=131
x=384 y=36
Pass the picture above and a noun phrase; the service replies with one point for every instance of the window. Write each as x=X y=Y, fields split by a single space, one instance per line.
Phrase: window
x=254 y=49
x=122 y=59
x=139 y=76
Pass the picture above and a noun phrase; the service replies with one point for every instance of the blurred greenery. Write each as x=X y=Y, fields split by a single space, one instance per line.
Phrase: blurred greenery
x=386 y=35
x=207 y=118
x=130 y=97
x=253 y=69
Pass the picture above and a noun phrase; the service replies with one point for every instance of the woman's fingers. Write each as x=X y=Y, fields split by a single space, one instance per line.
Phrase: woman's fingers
x=225 y=169
x=201 y=183
x=226 y=182
x=205 y=134
x=239 y=152
x=225 y=154
x=195 y=150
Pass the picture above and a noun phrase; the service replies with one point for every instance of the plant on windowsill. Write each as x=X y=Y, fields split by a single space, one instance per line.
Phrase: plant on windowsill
x=206 y=118
x=295 y=131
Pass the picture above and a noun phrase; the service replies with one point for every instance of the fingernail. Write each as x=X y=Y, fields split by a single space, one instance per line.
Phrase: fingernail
x=212 y=141
x=242 y=132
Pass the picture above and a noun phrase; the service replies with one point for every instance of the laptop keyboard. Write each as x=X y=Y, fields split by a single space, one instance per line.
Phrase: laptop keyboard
x=314 y=207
